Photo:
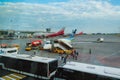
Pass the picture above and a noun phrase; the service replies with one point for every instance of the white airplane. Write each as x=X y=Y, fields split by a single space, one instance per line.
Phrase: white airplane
x=63 y=43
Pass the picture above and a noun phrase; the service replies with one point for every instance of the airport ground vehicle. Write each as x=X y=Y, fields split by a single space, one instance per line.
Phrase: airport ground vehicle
x=60 y=51
x=83 y=71
x=12 y=50
x=35 y=66
x=34 y=45
x=100 y=40
x=58 y=46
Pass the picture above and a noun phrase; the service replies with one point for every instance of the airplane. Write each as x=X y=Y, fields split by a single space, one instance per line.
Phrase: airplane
x=37 y=43
x=70 y=38
x=61 y=45
x=47 y=44
x=66 y=41
x=61 y=32
x=48 y=35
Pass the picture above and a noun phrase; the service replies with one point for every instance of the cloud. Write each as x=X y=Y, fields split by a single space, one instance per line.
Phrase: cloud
x=74 y=13
x=73 y=8
x=89 y=8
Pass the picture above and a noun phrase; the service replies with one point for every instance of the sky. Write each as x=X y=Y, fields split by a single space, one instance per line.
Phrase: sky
x=89 y=16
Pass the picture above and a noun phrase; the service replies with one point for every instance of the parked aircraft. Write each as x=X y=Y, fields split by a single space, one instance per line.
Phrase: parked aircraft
x=61 y=45
x=47 y=44
x=48 y=35
x=35 y=44
x=61 y=32
x=62 y=42
x=70 y=38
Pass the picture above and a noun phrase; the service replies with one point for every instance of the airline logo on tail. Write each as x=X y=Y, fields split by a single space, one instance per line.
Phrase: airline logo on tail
x=73 y=34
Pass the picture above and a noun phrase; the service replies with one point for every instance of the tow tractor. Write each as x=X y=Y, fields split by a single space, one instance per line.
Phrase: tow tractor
x=34 y=45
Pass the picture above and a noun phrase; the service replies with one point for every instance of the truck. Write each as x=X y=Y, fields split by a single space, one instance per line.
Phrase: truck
x=34 y=45
x=100 y=40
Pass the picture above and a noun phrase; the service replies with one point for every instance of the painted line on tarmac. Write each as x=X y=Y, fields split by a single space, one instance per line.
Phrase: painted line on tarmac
x=8 y=77
x=13 y=76
x=81 y=42
x=115 y=53
x=18 y=75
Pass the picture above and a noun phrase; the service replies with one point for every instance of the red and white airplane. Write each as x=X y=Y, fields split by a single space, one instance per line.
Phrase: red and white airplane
x=61 y=32
x=48 y=35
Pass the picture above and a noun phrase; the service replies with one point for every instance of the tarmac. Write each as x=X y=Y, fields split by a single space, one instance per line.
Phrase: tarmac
x=90 y=51
x=106 y=53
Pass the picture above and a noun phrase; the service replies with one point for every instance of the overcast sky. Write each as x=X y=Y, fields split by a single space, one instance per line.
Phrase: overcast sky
x=85 y=15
